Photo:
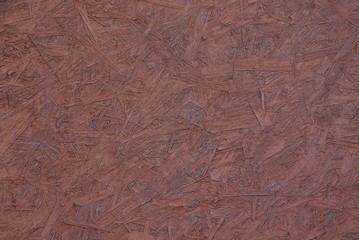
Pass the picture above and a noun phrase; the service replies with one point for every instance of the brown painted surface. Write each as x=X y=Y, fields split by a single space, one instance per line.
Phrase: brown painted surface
x=179 y=119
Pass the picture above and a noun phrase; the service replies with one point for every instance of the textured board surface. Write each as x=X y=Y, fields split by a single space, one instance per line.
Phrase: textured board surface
x=179 y=119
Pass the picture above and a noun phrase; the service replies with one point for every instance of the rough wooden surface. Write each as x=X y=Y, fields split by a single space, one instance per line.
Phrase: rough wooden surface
x=179 y=119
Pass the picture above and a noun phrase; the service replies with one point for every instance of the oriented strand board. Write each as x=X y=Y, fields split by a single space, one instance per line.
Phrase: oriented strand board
x=179 y=119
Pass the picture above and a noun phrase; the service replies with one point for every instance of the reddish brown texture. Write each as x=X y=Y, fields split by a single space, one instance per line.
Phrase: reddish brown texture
x=179 y=119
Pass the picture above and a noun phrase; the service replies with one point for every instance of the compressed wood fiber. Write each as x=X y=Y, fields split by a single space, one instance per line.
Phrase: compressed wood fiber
x=179 y=119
